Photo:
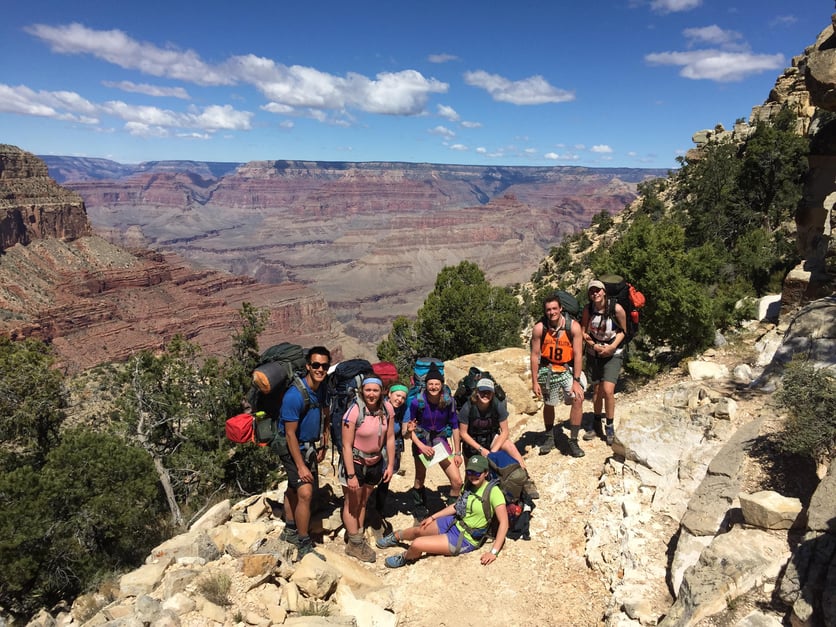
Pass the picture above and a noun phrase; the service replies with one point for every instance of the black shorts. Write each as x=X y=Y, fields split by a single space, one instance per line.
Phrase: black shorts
x=279 y=447
x=367 y=475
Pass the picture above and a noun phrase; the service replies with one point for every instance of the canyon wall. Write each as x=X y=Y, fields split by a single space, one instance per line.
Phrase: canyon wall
x=370 y=236
x=96 y=302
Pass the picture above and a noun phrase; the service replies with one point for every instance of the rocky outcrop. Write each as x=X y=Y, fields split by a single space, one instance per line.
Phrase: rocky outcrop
x=32 y=205
x=96 y=302
x=371 y=237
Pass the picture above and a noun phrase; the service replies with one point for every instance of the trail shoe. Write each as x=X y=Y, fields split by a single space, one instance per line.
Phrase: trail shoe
x=395 y=561
x=610 y=430
x=359 y=548
x=291 y=536
x=589 y=435
x=387 y=541
x=547 y=445
x=574 y=449
x=306 y=546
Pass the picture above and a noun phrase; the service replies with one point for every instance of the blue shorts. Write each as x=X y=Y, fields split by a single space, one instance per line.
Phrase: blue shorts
x=447 y=526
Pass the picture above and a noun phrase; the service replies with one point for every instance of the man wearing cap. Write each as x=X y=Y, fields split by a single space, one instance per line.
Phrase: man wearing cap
x=459 y=528
x=556 y=364
x=603 y=333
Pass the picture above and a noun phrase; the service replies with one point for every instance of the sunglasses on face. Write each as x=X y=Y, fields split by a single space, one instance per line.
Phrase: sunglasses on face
x=485 y=393
x=594 y=290
x=315 y=365
x=473 y=473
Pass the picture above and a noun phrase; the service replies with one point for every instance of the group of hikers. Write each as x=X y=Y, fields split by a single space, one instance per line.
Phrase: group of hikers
x=385 y=417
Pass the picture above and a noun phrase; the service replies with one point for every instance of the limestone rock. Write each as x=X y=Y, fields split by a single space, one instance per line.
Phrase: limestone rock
x=700 y=370
x=769 y=510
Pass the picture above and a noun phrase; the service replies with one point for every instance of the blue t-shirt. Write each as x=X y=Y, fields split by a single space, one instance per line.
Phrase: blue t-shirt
x=309 y=427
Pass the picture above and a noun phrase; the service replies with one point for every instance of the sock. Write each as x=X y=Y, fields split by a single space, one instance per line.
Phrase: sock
x=599 y=416
x=290 y=525
x=610 y=421
x=573 y=431
x=305 y=540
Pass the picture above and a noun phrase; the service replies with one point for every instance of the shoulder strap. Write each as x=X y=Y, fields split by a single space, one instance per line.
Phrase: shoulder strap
x=486 y=499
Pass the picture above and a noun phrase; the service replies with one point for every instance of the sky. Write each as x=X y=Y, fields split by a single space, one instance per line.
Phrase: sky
x=595 y=83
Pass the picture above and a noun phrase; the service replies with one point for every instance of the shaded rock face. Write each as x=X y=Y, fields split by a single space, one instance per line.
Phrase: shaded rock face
x=32 y=205
x=96 y=302
x=370 y=236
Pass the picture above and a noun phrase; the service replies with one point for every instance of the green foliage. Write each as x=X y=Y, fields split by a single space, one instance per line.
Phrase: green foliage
x=809 y=396
x=651 y=204
x=602 y=222
x=560 y=255
x=583 y=242
x=32 y=398
x=465 y=314
x=215 y=588
x=90 y=509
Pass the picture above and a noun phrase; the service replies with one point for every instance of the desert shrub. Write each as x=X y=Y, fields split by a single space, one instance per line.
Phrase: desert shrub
x=809 y=396
x=215 y=588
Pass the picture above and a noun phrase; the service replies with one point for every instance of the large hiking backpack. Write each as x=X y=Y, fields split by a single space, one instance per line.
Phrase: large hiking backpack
x=386 y=372
x=344 y=380
x=467 y=384
x=278 y=368
x=621 y=292
x=419 y=383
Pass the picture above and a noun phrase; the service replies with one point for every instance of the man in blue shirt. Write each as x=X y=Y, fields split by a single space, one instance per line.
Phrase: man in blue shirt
x=302 y=447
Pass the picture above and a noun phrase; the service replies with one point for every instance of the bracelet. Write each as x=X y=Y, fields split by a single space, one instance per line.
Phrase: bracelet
x=494 y=552
x=457 y=454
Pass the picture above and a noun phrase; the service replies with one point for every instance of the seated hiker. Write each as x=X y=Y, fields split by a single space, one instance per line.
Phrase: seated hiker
x=483 y=424
x=432 y=413
x=369 y=446
x=458 y=528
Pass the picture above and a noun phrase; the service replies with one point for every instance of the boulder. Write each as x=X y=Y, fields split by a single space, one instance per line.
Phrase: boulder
x=769 y=510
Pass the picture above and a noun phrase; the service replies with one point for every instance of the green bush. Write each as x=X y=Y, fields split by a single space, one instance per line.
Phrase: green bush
x=215 y=588
x=809 y=396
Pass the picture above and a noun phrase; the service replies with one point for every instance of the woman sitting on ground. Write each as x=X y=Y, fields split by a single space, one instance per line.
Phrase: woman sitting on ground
x=483 y=424
x=458 y=528
x=370 y=449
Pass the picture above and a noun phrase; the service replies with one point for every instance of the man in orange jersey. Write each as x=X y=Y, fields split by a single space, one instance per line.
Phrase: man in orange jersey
x=556 y=365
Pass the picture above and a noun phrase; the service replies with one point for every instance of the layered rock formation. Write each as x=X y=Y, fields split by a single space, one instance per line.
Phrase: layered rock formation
x=96 y=302
x=371 y=236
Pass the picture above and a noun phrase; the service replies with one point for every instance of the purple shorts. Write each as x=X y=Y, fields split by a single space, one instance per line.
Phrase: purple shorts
x=447 y=526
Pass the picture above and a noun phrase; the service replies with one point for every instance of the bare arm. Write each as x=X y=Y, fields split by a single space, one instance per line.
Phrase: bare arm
x=536 y=347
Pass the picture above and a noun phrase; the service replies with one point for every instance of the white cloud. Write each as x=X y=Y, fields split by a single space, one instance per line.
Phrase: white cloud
x=674 y=6
x=287 y=124
x=529 y=91
x=442 y=58
x=149 y=90
x=481 y=150
x=448 y=113
x=553 y=156
x=60 y=105
x=601 y=149
x=114 y=46
x=139 y=129
x=443 y=131
x=459 y=147
x=275 y=107
x=468 y=124
x=715 y=36
x=718 y=65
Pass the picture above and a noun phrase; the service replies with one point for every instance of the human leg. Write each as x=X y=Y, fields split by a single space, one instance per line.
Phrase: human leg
x=452 y=472
x=612 y=370
x=418 y=492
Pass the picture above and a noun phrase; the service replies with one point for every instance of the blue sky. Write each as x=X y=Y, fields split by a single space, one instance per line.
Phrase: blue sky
x=593 y=83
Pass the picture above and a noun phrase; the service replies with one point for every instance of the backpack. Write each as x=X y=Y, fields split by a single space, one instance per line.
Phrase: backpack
x=467 y=384
x=278 y=368
x=343 y=382
x=386 y=372
x=419 y=373
x=621 y=292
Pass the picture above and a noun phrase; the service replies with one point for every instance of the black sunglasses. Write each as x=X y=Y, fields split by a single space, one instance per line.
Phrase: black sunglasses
x=315 y=365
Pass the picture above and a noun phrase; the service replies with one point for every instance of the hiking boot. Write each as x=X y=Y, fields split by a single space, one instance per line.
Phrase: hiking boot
x=574 y=449
x=547 y=445
x=387 y=541
x=361 y=550
x=291 y=536
x=395 y=561
x=589 y=435
x=610 y=431
x=530 y=489
x=306 y=546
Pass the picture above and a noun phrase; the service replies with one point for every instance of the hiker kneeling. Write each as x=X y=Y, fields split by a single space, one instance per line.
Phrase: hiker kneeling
x=460 y=527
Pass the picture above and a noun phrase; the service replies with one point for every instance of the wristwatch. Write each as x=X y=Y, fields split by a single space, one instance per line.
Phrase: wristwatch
x=351 y=476
x=494 y=552
x=578 y=379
